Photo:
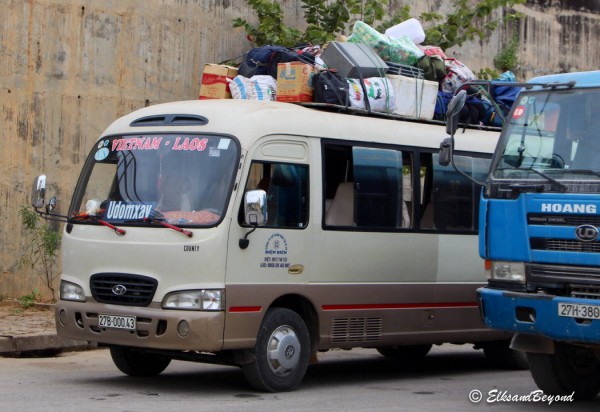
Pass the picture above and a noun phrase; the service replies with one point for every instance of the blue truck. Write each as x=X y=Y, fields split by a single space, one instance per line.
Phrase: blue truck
x=539 y=223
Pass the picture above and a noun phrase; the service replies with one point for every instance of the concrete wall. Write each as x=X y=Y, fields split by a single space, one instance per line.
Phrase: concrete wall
x=69 y=67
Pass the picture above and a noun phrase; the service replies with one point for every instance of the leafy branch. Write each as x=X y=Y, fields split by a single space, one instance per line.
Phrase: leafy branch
x=41 y=249
x=326 y=19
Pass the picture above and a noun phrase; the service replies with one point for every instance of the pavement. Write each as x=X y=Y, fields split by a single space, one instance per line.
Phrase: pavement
x=30 y=331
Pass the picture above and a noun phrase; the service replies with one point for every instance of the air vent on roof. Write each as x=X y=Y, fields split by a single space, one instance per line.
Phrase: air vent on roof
x=170 y=120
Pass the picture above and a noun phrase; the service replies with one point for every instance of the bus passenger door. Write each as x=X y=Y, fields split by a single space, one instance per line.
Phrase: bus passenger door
x=276 y=260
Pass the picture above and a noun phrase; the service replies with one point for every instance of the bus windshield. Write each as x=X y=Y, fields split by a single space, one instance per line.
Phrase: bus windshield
x=551 y=134
x=180 y=179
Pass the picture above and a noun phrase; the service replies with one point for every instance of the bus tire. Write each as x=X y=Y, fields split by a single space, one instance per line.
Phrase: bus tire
x=499 y=354
x=405 y=353
x=570 y=369
x=133 y=362
x=281 y=354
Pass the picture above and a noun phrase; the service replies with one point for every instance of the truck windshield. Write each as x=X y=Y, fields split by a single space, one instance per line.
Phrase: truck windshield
x=551 y=135
x=181 y=179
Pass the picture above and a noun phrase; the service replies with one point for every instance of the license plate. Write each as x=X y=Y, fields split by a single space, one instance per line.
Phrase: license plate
x=117 y=322
x=575 y=310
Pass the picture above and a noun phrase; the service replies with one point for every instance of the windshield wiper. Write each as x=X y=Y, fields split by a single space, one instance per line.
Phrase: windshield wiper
x=87 y=216
x=162 y=222
x=561 y=187
x=158 y=218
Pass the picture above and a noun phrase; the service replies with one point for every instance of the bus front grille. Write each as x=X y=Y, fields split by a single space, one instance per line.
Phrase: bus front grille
x=123 y=289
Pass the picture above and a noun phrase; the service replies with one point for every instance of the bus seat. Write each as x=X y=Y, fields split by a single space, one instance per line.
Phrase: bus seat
x=341 y=212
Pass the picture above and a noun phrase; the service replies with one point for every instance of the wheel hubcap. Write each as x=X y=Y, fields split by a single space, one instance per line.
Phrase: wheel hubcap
x=283 y=352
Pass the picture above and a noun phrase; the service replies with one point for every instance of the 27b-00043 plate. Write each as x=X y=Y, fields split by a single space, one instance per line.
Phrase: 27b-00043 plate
x=575 y=310
x=116 y=322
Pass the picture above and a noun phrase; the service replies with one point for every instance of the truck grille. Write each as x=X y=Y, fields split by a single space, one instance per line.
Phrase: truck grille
x=585 y=292
x=564 y=245
x=123 y=289
x=576 y=281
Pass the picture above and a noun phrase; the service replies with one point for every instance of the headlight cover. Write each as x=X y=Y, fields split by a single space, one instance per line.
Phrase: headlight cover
x=71 y=291
x=204 y=299
x=507 y=271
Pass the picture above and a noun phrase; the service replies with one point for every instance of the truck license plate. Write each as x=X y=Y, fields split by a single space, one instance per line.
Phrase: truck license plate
x=117 y=322
x=574 y=310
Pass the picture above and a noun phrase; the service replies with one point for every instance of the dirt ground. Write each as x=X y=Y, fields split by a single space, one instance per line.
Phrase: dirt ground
x=16 y=319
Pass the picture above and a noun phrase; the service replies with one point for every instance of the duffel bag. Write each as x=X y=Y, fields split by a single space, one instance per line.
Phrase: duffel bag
x=330 y=87
x=263 y=60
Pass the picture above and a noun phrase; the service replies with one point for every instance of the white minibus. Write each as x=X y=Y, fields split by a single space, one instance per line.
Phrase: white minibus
x=258 y=234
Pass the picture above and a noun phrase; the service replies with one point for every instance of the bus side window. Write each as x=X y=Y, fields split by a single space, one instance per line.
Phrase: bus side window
x=286 y=186
x=367 y=187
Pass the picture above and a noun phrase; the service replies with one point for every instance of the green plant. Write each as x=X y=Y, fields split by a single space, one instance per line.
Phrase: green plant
x=487 y=74
x=508 y=59
x=271 y=28
x=29 y=300
x=42 y=244
x=326 y=19
x=469 y=21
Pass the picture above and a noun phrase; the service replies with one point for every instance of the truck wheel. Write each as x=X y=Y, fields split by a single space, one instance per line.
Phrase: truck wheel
x=500 y=355
x=570 y=369
x=281 y=353
x=405 y=353
x=133 y=362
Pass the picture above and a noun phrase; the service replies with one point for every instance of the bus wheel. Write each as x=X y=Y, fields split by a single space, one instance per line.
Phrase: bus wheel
x=133 y=362
x=281 y=353
x=570 y=369
x=499 y=354
x=405 y=353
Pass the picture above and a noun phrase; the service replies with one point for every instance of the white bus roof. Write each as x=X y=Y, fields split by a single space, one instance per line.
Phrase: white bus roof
x=249 y=120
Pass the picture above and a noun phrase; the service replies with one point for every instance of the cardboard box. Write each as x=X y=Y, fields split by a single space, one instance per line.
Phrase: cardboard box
x=350 y=58
x=294 y=82
x=414 y=97
x=214 y=81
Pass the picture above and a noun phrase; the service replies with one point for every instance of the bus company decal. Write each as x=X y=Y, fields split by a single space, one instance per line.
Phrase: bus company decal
x=102 y=152
x=190 y=144
x=276 y=250
x=123 y=210
x=154 y=143
x=136 y=143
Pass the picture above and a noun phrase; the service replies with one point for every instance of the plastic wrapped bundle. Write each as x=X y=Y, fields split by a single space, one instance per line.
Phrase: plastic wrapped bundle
x=398 y=50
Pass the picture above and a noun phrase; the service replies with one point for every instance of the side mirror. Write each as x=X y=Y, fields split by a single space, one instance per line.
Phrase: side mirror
x=454 y=107
x=255 y=208
x=38 y=192
x=255 y=213
x=446 y=147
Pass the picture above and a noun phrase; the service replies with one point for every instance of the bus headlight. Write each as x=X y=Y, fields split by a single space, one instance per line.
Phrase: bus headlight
x=506 y=271
x=71 y=291
x=205 y=299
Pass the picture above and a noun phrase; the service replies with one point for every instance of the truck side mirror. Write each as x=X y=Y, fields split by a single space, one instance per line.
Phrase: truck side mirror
x=38 y=192
x=454 y=107
x=445 y=157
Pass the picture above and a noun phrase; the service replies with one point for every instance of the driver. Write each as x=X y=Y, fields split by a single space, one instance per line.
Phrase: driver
x=174 y=194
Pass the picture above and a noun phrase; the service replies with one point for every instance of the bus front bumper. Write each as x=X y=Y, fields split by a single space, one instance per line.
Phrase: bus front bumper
x=155 y=327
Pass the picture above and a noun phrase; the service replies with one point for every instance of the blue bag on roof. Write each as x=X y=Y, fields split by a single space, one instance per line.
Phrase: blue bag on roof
x=505 y=96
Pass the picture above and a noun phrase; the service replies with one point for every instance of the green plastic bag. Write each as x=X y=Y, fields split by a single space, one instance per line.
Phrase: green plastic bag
x=398 y=50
